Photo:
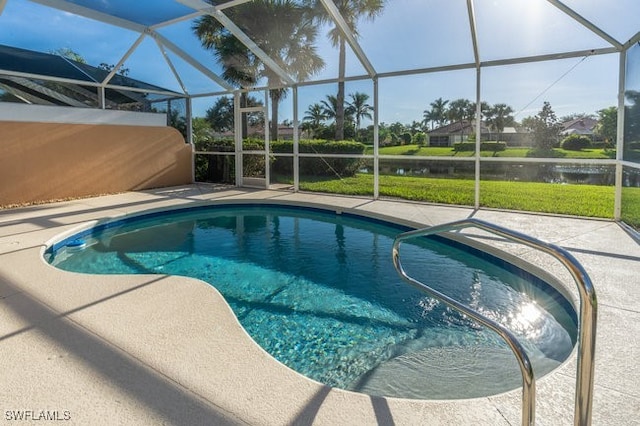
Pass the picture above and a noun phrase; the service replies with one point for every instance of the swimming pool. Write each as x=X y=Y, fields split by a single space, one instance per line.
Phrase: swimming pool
x=318 y=291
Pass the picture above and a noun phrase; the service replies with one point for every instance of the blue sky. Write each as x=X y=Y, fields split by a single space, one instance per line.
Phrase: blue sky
x=410 y=34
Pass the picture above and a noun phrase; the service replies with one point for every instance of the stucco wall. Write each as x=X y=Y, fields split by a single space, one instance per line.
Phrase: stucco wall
x=48 y=161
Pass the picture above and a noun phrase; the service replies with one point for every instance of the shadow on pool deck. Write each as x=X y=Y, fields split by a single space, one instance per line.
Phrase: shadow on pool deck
x=171 y=401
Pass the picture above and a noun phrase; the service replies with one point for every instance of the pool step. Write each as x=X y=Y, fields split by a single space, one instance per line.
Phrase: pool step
x=445 y=373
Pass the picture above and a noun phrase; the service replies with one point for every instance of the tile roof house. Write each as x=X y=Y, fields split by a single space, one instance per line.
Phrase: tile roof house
x=461 y=130
x=580 y=126
x=458 y=131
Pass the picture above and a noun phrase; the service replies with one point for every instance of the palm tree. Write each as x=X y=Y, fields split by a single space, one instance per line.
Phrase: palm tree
x=499 y=116
x=314 y=117
x=429 y=117
x=359 y=108
x=239 y=66
x=352 y=11
x=416 y=126
x=287 y=36
x=458 y=111
x=470 y=112
x=438 y=112
x=330 y=109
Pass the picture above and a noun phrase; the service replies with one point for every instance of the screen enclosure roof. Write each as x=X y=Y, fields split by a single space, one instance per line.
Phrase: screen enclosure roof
x=156 y=42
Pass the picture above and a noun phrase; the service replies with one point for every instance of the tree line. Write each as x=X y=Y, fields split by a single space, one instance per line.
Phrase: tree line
x=320 y=120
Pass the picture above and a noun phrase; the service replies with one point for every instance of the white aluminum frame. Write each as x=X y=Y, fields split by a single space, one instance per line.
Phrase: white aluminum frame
x=201 y=8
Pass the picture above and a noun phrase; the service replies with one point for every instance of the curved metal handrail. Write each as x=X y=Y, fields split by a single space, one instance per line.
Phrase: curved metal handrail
x=587 y=319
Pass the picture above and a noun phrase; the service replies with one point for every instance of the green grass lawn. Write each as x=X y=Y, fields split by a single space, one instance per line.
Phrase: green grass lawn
x=437 y=151
x=631 y=206
x=579 y=200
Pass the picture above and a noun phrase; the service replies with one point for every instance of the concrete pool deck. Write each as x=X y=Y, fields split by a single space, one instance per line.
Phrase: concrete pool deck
x=168 y=350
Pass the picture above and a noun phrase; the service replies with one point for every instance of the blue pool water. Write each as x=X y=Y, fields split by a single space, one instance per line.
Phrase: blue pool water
x=318 y=291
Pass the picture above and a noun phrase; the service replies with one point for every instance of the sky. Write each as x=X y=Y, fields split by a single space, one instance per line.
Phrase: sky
x=408 y=34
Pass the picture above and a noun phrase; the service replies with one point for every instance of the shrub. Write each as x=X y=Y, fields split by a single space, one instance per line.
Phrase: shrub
x=252 y=144
x=493 y=146
x=575 y=142
x=213 y=167
x=464 y=146
x=420 y=139
x=406 y=138
x=221 y=168
x=222 y=145
x=327 y=166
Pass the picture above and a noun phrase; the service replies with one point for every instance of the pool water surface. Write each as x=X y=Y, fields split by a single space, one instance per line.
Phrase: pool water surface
x=318 y=291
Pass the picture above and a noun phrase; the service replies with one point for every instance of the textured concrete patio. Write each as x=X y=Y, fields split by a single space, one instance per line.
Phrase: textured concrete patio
x=168 y=350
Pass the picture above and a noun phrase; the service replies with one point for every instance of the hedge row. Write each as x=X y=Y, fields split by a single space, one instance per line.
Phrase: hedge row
x=325 y=166
x=228 y=145
x=319 y=146
x=575 y=142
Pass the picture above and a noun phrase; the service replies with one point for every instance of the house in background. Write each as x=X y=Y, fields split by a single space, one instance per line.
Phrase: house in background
x=580 y=126
x=460 y=131
x=515 y=136
x=451 y=133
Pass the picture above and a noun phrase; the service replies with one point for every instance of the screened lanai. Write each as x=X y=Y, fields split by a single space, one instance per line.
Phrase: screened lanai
x=466 y=102
x=431 y=115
